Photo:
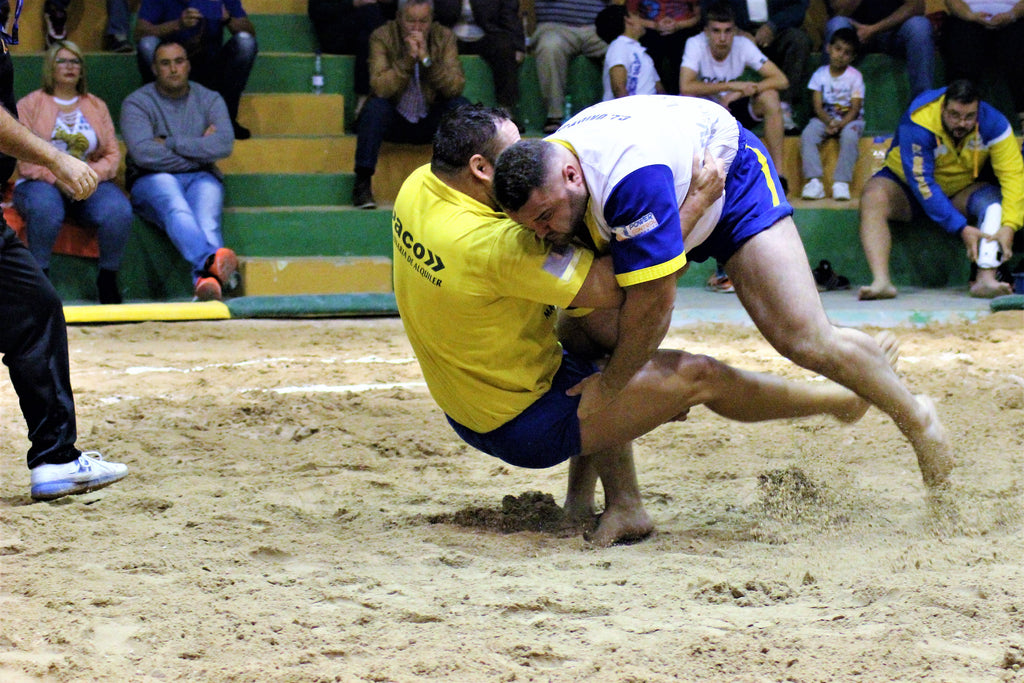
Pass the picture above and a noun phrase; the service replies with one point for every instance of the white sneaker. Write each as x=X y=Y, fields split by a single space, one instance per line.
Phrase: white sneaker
x=841 y=191
x=88 y=473
x=813 y=189
x=787 y=117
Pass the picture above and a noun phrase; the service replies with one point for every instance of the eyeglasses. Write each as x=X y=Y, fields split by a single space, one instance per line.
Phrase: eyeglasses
x=75 y=61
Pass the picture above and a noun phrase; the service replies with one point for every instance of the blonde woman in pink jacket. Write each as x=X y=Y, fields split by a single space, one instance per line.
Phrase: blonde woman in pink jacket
x=64 y=113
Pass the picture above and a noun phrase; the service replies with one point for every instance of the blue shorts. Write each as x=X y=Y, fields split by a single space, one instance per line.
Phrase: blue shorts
x=916 y=210
x=754 y=202
x=545 y=434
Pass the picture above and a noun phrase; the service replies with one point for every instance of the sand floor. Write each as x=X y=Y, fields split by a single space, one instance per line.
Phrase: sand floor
x=298 y=510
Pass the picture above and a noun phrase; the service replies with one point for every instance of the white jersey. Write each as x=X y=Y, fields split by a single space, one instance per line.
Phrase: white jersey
x=641 y=75
x=743 y=55
x=838 y=92
x=637 y=155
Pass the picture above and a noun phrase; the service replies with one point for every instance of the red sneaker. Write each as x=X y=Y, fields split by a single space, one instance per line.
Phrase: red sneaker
x=223 y=265
x=207 y=289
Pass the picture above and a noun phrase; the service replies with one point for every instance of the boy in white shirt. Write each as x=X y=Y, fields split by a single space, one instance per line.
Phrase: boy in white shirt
x=715 y=59
x=628 y=69
x=838 y=92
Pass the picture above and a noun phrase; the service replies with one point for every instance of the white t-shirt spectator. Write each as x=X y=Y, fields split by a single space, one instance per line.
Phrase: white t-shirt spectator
x=837 y=92
x=641 y=76
x=743 y=55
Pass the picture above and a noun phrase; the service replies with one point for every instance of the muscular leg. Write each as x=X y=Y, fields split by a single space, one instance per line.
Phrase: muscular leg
x=882 y=200
x=775 y=285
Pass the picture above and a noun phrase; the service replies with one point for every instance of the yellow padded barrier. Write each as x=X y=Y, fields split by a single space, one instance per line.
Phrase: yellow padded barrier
x=127 y=313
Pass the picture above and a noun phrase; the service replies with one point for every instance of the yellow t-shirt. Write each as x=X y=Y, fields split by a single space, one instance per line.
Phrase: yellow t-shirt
x=477 y=294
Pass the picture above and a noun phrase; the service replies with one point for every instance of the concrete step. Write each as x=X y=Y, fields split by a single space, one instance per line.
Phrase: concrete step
x=307 y=231
x=269 y=114
x=288 y=189
x=315 y=275
x=326 y=155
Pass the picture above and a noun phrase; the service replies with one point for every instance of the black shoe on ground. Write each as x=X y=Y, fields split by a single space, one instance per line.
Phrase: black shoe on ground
x=116 y=44
x=106 y=285
x=362 y=194
x=241 y=132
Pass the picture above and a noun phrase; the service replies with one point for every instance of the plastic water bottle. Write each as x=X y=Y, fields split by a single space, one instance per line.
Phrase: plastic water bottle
x=318 y=74
x=567 y=111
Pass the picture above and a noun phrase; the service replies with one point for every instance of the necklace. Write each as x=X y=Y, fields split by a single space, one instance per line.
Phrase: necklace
x=65 y=103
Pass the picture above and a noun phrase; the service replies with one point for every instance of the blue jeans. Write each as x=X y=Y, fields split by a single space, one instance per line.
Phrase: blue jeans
x=44 y=208
x=224 y=68
x=187 y=206
x=911 y=41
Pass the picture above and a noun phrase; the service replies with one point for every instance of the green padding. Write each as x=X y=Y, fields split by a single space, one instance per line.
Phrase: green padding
x=1010 y=302
x=312 y=305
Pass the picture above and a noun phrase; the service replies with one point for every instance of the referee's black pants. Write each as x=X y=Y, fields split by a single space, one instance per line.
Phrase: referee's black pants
x=34 y=344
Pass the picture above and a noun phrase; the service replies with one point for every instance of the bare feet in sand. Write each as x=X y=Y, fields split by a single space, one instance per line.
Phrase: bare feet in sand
x=988 y=286
x=934 y=452
x=882 y=290
x=621 y=525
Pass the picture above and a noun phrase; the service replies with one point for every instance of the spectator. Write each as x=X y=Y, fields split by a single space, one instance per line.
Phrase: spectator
x=343 y=27
x=115 y=35
x=838 y=98
x=565 y=30
x=986 y=36
x=714 y=61
x=175 y=131
x=775 y=26
x=64 y=113
x=943 y=142
x=415 y=77
x=895 y=27
x=493 y=30
x=221 y=66
x=668 y=25
x=628 y=69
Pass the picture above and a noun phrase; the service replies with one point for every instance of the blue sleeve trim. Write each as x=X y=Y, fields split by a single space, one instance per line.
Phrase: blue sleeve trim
x=643 y=216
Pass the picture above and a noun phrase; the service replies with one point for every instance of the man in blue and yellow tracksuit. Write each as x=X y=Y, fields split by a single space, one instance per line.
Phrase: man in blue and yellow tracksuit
x=946 y=139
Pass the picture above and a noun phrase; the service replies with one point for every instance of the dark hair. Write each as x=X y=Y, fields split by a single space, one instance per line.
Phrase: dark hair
x=464 y=131
x=848 y=36
x=720 y=11
x=521 y=169
x=164 y=43
x=962 y=91
x=610 y=22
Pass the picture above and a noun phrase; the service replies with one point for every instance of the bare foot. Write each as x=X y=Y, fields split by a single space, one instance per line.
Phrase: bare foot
x=579 y=518
x=983 y=289
x=621 y=525
x=880 y=291
x=934 y=452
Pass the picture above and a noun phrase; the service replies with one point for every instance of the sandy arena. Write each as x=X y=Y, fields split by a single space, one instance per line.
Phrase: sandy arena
x=298 y=510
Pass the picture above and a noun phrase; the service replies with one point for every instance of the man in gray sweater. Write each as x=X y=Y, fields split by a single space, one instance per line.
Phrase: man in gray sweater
x=175 y=130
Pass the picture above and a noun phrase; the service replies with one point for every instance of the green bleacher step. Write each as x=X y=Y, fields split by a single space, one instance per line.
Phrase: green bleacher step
x=288 y=189
x=307 y=231
x=284 y=32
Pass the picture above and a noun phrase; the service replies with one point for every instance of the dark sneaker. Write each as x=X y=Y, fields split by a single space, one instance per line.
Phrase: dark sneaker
x=223 y=265
x=362 y=195
x=56 y=24
x=241 y=132
x=88 y=473
x=207 y=289
x=720 y=283
x=117 y=44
